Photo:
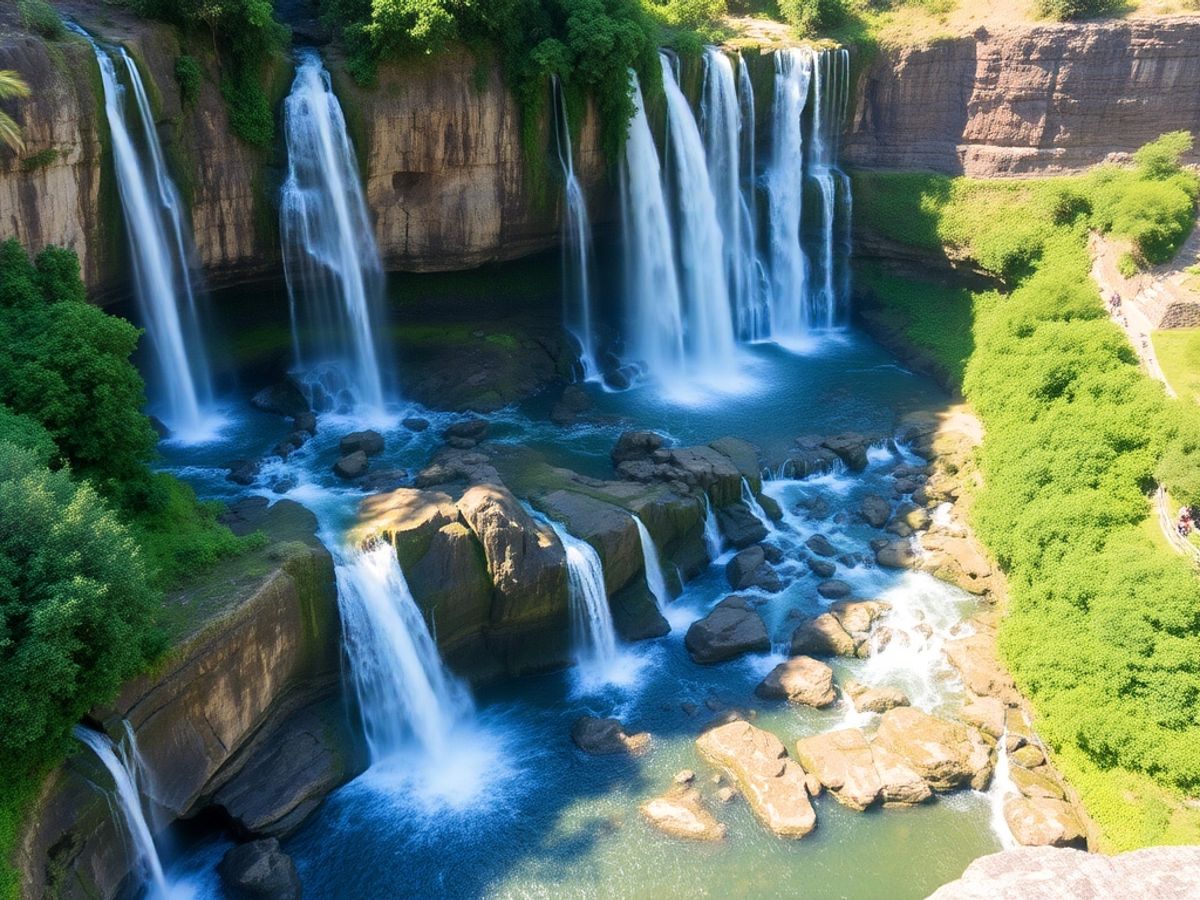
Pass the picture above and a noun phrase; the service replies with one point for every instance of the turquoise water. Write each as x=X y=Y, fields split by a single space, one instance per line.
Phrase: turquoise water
x=516 y=810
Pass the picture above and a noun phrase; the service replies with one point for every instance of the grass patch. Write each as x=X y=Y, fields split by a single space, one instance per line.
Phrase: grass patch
x=39 y=160
x=1178 y=352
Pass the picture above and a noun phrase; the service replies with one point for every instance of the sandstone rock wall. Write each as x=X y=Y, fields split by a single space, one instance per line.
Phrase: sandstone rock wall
x=1028 y=100
x=244 y=715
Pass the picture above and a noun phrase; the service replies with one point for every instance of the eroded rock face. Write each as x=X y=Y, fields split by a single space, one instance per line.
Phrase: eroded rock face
x=947 y=755
x=772 y=783
x=1032 y=99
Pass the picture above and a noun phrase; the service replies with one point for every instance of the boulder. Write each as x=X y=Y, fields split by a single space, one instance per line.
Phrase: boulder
x=745 y=458
x=282 y=399
x=850 y=448
x=259 y=871
x=750 y=569
x=1030 y=756
x=808 y=458
x=875 y=510
x=465 y=434
x=772 y=783
x=899 y=783
x=873 y=699
x=415 y=424
x=946 y=754
x=681 y=812
x=822 y=636
x=740 y=526
x=608 y=528
x=897 y=555
x=977 y=662
x=1043 y=822
x=915 y=517
x=986 y=714
x=244 y=471
x=605 y=737
x=843 y=763
x=858 y=616
x=833 y=590
x=820 y=545
x=369 y=442
x=731 y=629
x=305 y=422
x=801 y=679
x=636 y=445
x=822 y=568
x=351 y=466
x=1037 y=783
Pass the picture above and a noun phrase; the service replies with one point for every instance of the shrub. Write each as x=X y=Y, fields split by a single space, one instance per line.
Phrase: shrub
x=407 y=26
x=811 y=17
x=27 y=434
x=1066 y=10
x=1162 y=158
x=188 y=76
x=39 y=17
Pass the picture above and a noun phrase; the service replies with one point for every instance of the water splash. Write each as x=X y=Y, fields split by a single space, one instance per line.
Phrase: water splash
x=655 y=580
x=999 y=791
x=713 y=540
x=594 y=635
x=334 y=273
x=756 y=508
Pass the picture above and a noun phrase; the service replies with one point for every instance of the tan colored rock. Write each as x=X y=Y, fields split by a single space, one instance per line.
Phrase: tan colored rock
x=899 y=783
x=823 y=636
x=1017 y=730
x=1043 y=822
x=1036 y=783
x=946 y=754
x=986 y=714
x=404 y=516
x=681 y=812
x=975 y=659
x=1029 y=757
x=857 y=616
x=873 y=699
x=843 y=762
x=801 y=679
x=897 y=555
x=772 y=783
x=725 y=794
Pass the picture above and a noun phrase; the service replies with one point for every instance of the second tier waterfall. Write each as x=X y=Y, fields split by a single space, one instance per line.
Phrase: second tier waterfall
x=334 y=273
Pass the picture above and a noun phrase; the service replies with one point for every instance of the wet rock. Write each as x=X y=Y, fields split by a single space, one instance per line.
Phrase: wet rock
x=369 y=442
x=809 y=458
x=820 y=545
x=800 y=679
x=771 y=507
x=731 y=629
x=1036 y=784
x=636 y=445
x=259 y=871
x=1043 y=822
x=900 y=784
x=306 y=422
x=833 y=590
x=605 y=737
x=681 y=812
x=282 y=399
x=684 y=776
x=858 y=616
x=415 y=424
x=466 y=434
x=904 y=486
x=850 y=448
x=773 y=554
x=1030 y=756
x=750 y=569
x=897 y=555
x=740 y=526
x=290 y=444
x=915 y=517
x=822 y=568
x=451 y=465
x=946 y=754
x=244 y=471
x=352 y=466
x=986 y=714
x=283 y=485
x=958 y=560
x=842 y=762
x=822 y=636
x=772 y=783
x=873 y=699
x=874 y=510
x=574 y=400
x=384 y=480
x=745 y=458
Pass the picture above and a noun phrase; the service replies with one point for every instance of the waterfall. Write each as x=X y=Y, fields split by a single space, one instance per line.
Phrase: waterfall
x=652 y=288
x=334 y=274
x=712 y=531
x=785 y=195
x=830 y=84
x=655 y=580
x=403 y=689
x=577 y=243
x=591 y=619
x=999 y=791
x=161 y=253
x=709 y=331
x=122 y=764
x=755 y=507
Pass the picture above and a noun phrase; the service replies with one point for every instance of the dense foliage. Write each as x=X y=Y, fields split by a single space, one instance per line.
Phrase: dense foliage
x=1065 y=10
x=188 y=76
x=245 y=35
x=812 y=17
x=1103 y=632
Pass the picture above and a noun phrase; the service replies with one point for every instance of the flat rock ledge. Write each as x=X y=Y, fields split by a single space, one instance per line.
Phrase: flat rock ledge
x=1049 y=873
x=773 y=784
x=857 y=774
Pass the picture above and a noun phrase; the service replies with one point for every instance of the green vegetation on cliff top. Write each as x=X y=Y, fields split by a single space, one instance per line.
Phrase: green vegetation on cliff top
x=1103 y=629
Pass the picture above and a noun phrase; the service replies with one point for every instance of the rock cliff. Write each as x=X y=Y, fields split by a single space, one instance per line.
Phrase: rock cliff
x=243 y=716
x=1028 y=100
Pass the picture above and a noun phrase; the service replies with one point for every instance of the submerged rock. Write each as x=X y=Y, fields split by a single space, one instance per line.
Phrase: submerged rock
x=772 y=783
x=740 y=526
x=384 y=480
x=833 y=590
x=259 y=871
x=605 y=737
x=466 y=434
x=801 y=679
x=244 y=471
x=681 y=812
x=946 y=754
x=874 y=510
x=415 y=424
x=306 y=422
x=369 y=442
x=750 y=569
x=731 y=629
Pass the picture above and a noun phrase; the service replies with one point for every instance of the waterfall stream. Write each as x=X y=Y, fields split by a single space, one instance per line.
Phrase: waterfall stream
x=334 y=273
x=161 y=253
x=404 y=690
x=713 y=540
x=655 y=580
x=595 y=637
x=122 y=764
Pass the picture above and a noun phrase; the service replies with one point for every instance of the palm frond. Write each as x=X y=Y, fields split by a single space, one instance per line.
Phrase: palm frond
x=10 y=133
x=12 y=85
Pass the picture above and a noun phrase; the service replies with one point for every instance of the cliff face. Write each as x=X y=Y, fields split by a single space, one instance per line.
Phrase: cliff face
x=243 y=716
x=1030 y=100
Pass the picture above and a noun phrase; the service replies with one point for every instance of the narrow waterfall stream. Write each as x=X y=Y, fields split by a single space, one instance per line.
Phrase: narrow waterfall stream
x=161 y=255
x=332 y=264
x=577 y=243
x=655 y=580
x=404 y=691
x=594 y=635
x=122 y=764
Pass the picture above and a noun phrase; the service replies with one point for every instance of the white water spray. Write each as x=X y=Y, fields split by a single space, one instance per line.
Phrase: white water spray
x=404 y=691
x=122 y=764
x=595 y=636
x=655 y=580
x=999 y=791
x=334 y=274
x=755 y=507
x=713 y=540
x=161 y=253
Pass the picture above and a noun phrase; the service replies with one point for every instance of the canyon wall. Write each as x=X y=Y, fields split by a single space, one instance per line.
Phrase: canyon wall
x=1028 y=100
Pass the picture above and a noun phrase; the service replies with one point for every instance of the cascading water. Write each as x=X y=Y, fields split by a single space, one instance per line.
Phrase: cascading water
x=652 y=286
x=577 y=243
x=655 y=580
x=161 y=250
x=404 y=691
x=832 y=183
x=121 y=763
x=755 y=507
x=334 y=273
x=591 y=619
x=713 y=540
x=709 y=325
x=785 y=196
